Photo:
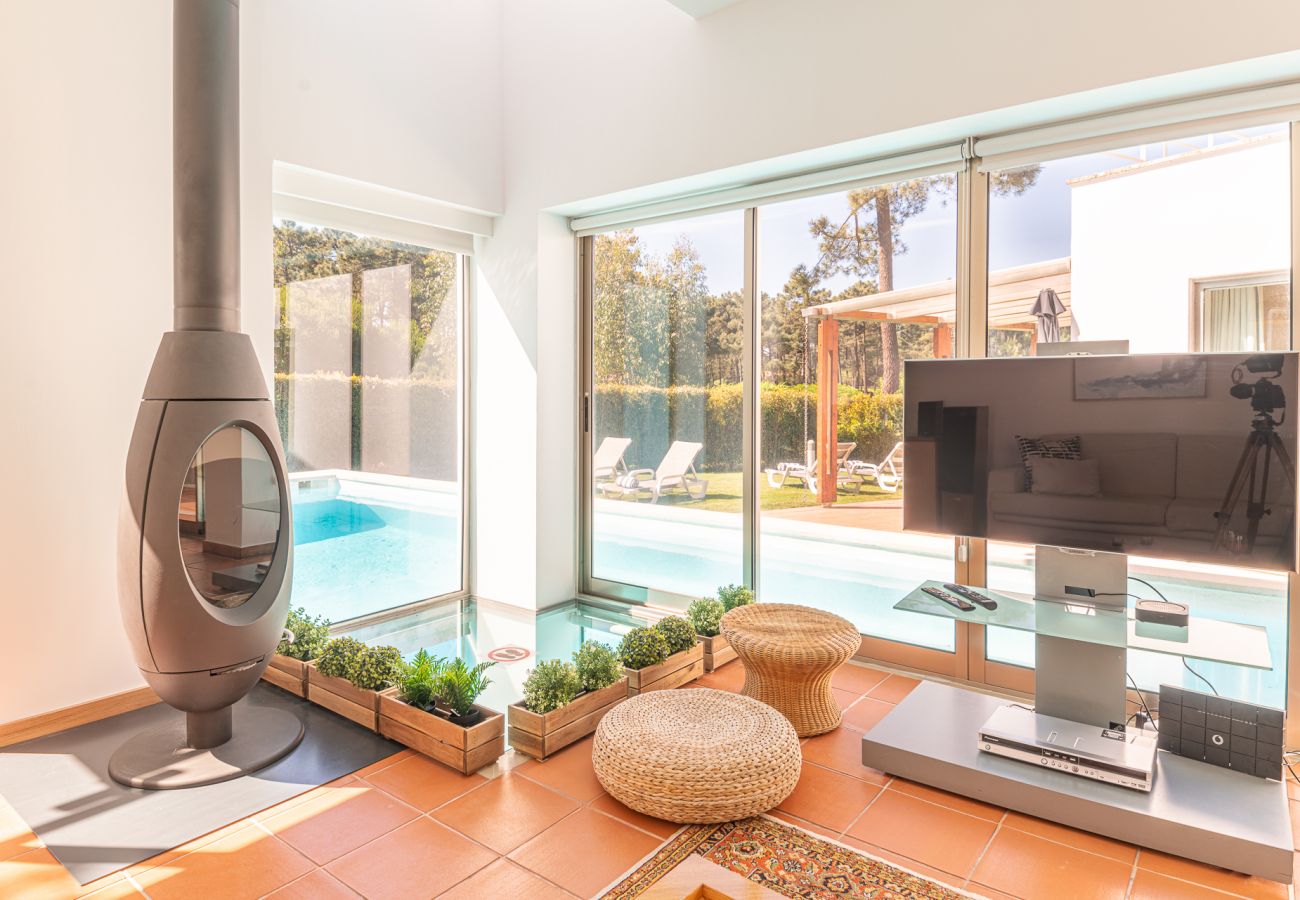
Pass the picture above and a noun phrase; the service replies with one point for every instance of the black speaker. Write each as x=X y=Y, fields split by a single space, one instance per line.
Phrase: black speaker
x=963 y=470
x=929 y=418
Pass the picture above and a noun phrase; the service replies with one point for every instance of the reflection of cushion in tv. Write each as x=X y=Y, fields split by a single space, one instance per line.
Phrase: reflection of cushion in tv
x=1109 y=510
x=1198 y=516
x=1074 y=477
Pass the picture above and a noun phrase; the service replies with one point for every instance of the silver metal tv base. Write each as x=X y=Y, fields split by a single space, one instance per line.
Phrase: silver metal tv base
x=1194 y=810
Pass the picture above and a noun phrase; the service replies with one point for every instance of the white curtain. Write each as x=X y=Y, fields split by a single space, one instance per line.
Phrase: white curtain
x=1232 y=318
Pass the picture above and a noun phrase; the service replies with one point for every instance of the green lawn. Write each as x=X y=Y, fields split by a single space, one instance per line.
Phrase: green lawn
x=725 y=493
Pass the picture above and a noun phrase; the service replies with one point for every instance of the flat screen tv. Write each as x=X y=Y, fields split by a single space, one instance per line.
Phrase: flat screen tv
x=1180 y=456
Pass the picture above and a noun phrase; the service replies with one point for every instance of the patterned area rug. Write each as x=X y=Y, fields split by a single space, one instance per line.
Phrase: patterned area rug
x=786 y=860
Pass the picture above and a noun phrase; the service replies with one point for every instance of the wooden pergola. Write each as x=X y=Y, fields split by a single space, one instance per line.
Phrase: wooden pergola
x=1011 y=296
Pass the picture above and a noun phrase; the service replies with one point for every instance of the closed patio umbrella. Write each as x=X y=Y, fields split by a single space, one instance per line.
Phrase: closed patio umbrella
x=1046 y=309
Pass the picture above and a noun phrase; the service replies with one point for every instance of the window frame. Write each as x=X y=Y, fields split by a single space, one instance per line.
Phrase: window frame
x=968 y=663
x=428 y=239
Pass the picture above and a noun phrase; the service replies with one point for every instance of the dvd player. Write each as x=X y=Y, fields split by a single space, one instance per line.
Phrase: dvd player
x=1112 y=755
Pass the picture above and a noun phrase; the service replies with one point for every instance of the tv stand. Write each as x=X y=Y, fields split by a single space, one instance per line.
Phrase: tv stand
x=1194 y=810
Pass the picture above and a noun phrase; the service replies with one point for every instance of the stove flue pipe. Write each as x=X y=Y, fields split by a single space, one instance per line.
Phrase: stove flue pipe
x=205 y=180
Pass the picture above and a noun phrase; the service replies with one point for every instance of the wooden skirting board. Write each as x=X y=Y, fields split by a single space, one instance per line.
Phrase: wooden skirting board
x=39 y=725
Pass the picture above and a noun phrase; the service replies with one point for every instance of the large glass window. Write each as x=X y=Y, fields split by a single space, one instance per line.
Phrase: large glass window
x=369 y=395
x=852 y=284
x=1176 y=246
x=666 y=405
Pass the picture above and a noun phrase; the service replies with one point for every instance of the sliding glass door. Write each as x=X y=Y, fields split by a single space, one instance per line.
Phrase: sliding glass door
x=852 y=284
x=665 y=406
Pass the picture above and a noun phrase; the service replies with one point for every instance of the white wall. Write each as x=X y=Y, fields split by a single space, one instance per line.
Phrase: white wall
x=403 y=93
x=518 y=106
x=1137 y=240
x=605 y=97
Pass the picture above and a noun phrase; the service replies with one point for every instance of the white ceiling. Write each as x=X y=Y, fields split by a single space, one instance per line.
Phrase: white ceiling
x=700 y=8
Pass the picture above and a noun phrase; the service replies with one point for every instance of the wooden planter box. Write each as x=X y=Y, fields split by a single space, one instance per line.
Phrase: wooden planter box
x=287 y=673
x=717 y=651
x=676 y=670
x=539 y=736
x=464 y=749
x=343 y=697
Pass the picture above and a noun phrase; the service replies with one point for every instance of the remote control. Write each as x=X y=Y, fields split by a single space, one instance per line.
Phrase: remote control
x=973 y=596
x=954 y=602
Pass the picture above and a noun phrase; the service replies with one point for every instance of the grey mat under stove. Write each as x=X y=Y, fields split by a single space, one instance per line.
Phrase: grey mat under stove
x=59 y=784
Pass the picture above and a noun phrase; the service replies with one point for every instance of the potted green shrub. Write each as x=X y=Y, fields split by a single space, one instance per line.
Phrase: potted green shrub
x=348 y=675
x=306 y=637
x=705 y=615
x=432 y=710
x=564 y=702
x=733 y=595
x=665 y=655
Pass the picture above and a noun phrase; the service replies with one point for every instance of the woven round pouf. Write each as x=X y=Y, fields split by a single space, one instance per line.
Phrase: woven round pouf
x=790 y=653
x=696 y=755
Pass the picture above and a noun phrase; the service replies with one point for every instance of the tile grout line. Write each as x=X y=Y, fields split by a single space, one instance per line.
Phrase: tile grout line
x=997 y=829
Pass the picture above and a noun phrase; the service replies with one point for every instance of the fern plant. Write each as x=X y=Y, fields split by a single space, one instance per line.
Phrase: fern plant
x=552 y=684
x=705 y=614
x=597 y=666
x=642 y=647
x=679 y=633
x=310 y=635
x=461 y=684
x=419 y=684
x=734 y=595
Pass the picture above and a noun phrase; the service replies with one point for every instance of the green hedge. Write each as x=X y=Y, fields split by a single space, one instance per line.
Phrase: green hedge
x=413 y=424
x=654 y=417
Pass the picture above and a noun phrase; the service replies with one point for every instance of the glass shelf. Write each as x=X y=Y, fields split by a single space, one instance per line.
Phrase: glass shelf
x=1207 y=639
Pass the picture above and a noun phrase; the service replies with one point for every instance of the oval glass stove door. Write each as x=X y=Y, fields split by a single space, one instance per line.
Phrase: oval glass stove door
x=229 y=517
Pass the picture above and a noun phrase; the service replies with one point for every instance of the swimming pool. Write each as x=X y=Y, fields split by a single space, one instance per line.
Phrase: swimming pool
x=365 y=546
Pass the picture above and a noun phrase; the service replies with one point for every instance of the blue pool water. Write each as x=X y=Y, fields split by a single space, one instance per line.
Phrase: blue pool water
x=353 y=558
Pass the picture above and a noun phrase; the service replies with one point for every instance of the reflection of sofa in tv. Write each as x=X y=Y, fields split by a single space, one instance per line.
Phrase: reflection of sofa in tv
x=1161 y=485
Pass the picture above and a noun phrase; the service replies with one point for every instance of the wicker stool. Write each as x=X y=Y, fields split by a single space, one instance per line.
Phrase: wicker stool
x=790 y=653
x=696 y=755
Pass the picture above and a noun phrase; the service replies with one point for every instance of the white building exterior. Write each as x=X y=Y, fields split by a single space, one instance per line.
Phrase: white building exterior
x=1145 y=237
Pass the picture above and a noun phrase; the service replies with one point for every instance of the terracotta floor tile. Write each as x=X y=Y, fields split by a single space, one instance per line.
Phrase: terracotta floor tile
x=894 y=688
x=423 y=783
x=930 y=834
x=952 y=801
x=379 y=765
x=420 y=859
x=810 y=827
x=304 y=797
x=1063 y=834
x=38 y=875
x=551 y=853
x=658 y=827
x=505 y=879
x=15 y=836
x=325 y=828
x=829 y=798
x=730 y=677
x=505 y=812
x=841 y=750
x=864 y=714
x=1028 y=866
x=1150 y=886
x=248 y=863
x=118 y=890
x=857 y=679
x=844 y=699
x=315 y=885
x=898 y=859
x=570 y=772
x=1210 y=876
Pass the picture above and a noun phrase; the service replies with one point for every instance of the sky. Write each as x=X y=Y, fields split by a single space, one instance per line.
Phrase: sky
x=1031 y=227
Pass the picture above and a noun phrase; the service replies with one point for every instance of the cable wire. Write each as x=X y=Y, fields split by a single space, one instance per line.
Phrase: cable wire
x=1186 y=665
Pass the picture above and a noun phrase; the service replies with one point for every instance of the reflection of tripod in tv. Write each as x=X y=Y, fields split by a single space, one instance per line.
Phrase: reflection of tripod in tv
x=1263 y=439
